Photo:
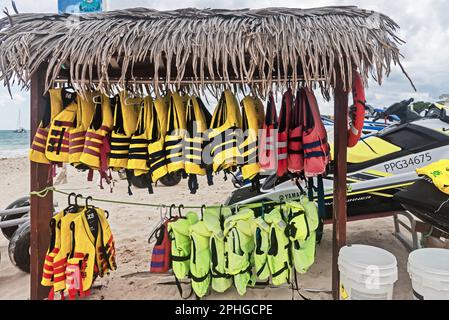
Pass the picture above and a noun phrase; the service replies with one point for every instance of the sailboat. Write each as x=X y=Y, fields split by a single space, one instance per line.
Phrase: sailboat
x=20 y=129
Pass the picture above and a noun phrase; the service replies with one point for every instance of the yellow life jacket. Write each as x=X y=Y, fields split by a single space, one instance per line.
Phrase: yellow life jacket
x=181 y=244
x=239 y=248
x=214 y=218
x=125 y=124
x=77 y=136
x=439 y=173
x=53 y=108
x=261 y=239
x=53 y=250
x=60 y=260
x=303 y=243
x=200 y=258
x=193 y=142
x=138 y=149
x=197 y=125
x=156 y=145
x=250 y=147
x=176 y=127
x=57 y=149
x=225 y=135
x=96 y=145
x=279 y=249
x=93 y=251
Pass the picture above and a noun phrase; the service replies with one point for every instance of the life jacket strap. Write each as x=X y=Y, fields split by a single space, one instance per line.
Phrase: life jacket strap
x=77 y=135
x=278 y=273
x=118 y=156
x=42 y=132
x=139 y=141
x=93 y=135
x=193 y=183
x=178 y=285
x=317 y=154
x=39 y=140
x=120 y=140
x=314 y=144
x=138 y=157
x=218 y=275
x=119 y=148
x=199 y=279
x=64 y=124
x=37 y=148
x=290 y=151
x=180 y=259
x=259 y=272
x=210 y=176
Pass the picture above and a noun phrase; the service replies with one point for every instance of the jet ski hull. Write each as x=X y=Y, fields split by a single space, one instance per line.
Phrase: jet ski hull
x=373 y=195
x=426 y=202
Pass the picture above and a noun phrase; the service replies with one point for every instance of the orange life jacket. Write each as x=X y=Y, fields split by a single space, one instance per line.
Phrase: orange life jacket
x=295 y=151
x=267 y=153
x=315 y=143
x=57 y=149
x=96 y=145
x=77 y=136
x=284 y=128
x=53 y=108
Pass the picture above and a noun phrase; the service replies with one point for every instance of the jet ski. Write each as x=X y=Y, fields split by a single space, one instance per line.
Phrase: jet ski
x=378 y=167
x=378 y=119
x=424 y=200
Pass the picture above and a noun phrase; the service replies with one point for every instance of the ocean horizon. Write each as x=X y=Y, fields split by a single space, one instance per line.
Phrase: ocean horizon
x=14 y=145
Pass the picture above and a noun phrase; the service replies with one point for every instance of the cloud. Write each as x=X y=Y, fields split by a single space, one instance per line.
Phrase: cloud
x=424 y=25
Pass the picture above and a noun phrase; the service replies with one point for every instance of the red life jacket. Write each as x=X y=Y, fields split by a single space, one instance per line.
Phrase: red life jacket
x=315 y=144
x=267 y=151
x=295 y=151
x=284 y=126
x=161 y=255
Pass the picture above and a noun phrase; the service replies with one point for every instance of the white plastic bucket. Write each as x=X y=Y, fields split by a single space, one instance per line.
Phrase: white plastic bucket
x=367 y=273
x=429 y=272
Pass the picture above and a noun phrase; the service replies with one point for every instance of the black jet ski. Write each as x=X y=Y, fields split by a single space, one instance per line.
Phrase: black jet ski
x=378 y=167
x=426 y=202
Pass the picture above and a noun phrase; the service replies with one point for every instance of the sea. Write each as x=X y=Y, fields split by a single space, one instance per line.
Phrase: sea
x=14 y=145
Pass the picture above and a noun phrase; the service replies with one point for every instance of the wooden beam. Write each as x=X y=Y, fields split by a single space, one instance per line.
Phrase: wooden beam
x=41 y=208
x=340 y=171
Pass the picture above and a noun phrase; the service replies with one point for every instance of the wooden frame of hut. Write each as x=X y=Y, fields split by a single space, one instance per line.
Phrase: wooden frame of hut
x=202 y=51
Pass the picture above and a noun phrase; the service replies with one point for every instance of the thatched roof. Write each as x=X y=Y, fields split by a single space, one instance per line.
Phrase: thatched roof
x=263 y=48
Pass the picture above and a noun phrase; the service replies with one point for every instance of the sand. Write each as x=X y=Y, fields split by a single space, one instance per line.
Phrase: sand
x=132 y=226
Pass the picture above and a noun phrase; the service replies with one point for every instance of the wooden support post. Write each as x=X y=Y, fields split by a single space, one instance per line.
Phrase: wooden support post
x=41 y=208
x=340 y=171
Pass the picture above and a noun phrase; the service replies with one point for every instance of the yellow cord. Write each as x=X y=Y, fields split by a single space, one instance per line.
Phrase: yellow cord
x=46 y=191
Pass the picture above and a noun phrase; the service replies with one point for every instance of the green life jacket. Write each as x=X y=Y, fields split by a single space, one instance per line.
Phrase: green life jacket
x=239 y=246
x=297 y=227
x=200 y=258
x=279 y=246
x=261 y=240
x=303 y=250
x=179 y=232
x=214 y=219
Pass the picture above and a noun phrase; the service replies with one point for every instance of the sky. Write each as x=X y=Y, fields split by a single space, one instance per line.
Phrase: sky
x=424 y=26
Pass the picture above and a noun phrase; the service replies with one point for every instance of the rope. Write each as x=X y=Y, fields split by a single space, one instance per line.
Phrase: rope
x=43 y=193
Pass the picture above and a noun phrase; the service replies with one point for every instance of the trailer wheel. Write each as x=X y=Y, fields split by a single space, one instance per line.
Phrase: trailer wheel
x=19 y=248
x=171 y=179
x=22 y=202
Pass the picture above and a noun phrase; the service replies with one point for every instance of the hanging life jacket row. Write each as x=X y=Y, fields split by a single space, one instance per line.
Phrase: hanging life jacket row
x=220 y=249
x=81 y=249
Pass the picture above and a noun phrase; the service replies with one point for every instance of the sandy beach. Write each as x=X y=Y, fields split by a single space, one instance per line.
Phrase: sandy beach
x=132 y=226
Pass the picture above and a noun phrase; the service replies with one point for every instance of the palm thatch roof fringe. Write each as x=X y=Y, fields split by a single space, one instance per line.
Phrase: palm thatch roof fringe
x=260 y=48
